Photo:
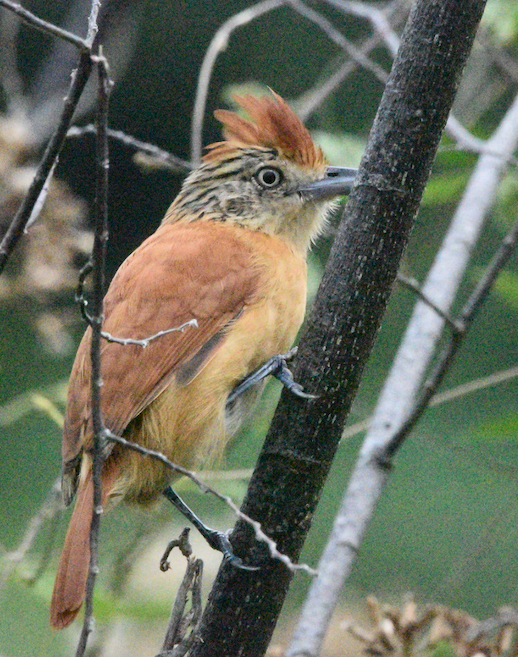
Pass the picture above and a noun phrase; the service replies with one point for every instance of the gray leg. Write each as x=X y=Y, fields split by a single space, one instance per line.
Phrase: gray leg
x=217 y=540
x=277 y=367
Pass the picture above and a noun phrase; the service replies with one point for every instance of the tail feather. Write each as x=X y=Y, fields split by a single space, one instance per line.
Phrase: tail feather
x=70 y=586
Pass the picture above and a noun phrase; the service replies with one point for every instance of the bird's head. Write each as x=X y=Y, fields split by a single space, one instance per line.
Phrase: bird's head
x=267 y=175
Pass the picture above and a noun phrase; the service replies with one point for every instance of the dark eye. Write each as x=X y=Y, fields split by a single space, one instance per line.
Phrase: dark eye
x=269 y=177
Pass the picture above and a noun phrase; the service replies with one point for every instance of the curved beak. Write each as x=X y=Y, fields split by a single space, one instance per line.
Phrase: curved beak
x=338 y=181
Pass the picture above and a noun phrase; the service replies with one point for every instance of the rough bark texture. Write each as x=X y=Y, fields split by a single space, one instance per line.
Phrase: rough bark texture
x=284 y=490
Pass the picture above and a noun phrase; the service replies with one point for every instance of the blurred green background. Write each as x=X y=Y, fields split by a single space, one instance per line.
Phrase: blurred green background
x=446 y=529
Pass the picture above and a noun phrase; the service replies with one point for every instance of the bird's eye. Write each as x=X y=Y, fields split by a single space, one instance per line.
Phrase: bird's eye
x=269 y=177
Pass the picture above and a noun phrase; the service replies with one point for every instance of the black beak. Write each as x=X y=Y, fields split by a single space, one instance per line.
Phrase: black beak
x=338 y=181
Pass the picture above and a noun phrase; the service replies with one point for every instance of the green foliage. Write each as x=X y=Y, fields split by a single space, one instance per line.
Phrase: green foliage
x=502 y=17
x=341 y=149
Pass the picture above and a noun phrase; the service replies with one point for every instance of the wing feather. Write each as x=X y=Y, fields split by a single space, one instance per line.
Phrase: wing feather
x=199 y=270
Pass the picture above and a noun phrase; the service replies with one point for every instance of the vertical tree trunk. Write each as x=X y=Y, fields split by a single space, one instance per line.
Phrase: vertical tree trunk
x=284 y=490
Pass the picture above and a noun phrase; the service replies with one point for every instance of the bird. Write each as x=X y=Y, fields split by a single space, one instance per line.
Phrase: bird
x=229 y=257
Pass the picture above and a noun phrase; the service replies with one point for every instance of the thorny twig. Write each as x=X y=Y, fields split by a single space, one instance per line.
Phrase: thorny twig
x=205 y=488
x=142 y=342
x=98 y=268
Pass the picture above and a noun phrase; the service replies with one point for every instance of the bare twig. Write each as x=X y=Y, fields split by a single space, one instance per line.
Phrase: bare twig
x=44 y=26
x=98 y=268
x=448 y=395
x=415 y=286
x=205 y=488
x=217 y=45
x=338 y=38
x=169 y=160
x=142 y=342
x=468 y=314
x=395 y=14
x=192 y=323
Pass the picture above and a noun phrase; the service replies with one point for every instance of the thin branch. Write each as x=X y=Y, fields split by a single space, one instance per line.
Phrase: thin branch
x=192 y=323
x=313 y=98
x=416 y=287
x=23 y=215
x=98 y=268
x=441 y=398
x=167 y=159
x=43 y=26
x=338 y=38
x=466 y=318
x=205 y=488
x=217 y=45
x=376 y=16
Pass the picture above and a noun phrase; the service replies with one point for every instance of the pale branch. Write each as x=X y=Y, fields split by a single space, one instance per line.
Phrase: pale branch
x=167 y=159
x=426 y=325
x=205 y=488
x=312 y=99
x=377 y=17
x=217 y=45
x=464 y=322
x=98 y=269
x=370 y=474
x=44 y=26
x=93 y=26
x=439 y=398
x=339 y=39
x=50 y=508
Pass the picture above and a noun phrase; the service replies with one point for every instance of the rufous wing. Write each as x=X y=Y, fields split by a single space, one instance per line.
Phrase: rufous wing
x=184 y=271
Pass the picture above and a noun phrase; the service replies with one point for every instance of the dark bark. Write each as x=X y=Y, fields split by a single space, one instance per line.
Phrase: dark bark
x=284 y=490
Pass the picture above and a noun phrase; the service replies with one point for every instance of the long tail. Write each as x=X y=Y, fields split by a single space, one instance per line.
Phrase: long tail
x=70 y=586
